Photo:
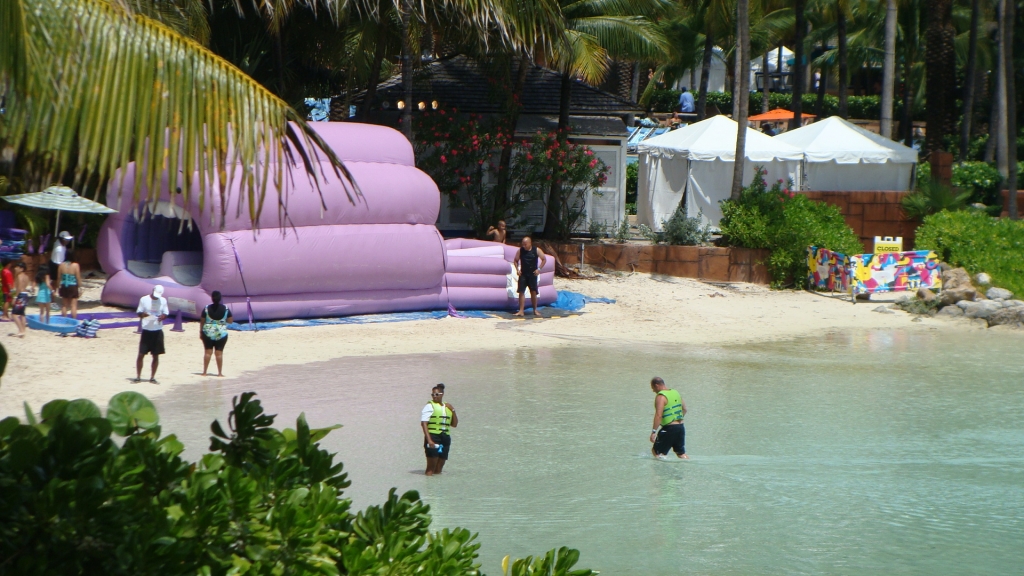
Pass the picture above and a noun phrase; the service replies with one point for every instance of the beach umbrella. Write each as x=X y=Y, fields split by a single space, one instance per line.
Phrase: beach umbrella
x=61 y=199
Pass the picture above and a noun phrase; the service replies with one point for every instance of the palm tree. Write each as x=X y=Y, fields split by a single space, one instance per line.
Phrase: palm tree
x=941 y=71
x=743 y=89
x=970 y=81
x=1008 y=19
x=90 y=86
x=594 y=31
x=799 y=68
x=889 y=68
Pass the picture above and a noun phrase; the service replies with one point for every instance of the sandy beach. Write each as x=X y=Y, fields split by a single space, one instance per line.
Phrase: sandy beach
x=648 y=309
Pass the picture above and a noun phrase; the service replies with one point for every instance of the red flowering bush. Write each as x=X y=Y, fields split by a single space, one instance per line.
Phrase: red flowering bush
x=462 y=155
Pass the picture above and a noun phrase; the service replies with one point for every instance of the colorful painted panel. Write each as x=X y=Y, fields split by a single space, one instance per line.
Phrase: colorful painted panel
x=895 y=272
x=827 y=270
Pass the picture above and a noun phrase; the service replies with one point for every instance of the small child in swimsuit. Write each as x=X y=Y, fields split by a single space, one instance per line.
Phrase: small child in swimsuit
x=44 y=295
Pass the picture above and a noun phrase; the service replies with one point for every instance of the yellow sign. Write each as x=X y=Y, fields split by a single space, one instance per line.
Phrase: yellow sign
x=885 y=244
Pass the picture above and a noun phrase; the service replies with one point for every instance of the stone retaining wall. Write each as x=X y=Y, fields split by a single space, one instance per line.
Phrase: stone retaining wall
x=1006 y=202
x=872 y=214
x=701 y=262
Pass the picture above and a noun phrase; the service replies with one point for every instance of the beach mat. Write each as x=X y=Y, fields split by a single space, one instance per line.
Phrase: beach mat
x=566 y=304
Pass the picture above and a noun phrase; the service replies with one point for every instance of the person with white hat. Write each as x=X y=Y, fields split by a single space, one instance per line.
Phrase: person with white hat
x=58 y=254
x=152 y=310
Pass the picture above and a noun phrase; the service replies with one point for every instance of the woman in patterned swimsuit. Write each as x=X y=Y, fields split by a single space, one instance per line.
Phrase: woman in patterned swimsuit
x=214 y=332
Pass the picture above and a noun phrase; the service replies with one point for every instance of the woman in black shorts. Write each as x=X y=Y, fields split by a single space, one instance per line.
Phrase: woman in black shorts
x=214 y=332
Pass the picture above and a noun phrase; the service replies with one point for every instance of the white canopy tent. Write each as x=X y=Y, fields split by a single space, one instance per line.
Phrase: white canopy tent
x=695 y=164
x=840 y=156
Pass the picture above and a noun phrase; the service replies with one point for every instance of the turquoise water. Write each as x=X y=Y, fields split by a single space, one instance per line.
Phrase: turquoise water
x=867 y=453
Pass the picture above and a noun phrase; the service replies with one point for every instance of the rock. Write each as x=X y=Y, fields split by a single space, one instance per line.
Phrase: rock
x=982 y=309
x=956 y=279
x=918 y=319
x=1002 y=293
x=1011 y=303
x=982 y=278
x=949 y=297
x=979 y=322
x=883 y=310
x=904 y=298
x=926 y=295
x=963 y=304
x=950 y=312
x=1006 y=316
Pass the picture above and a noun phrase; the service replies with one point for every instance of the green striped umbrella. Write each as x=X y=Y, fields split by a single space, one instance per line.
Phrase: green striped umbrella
x=61 y=199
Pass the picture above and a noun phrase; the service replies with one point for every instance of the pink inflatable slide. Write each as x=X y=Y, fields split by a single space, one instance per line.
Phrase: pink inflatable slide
x=382 y=254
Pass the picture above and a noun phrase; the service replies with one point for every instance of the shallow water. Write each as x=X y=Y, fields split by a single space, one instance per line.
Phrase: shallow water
x=874 y=452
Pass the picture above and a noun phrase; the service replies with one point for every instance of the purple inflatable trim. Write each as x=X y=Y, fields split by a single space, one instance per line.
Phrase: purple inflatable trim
x=382 y=254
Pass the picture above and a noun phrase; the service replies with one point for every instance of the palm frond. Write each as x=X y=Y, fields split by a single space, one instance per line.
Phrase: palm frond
x=98 y=87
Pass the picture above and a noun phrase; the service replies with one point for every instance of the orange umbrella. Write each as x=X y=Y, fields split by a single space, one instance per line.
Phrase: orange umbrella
x=777 y=115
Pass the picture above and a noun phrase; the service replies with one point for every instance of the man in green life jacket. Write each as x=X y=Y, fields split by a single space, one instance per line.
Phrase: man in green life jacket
x=668 y=431
x=436 y=419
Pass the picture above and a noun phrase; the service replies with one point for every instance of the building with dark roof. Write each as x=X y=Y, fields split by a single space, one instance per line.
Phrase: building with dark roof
x=597 y=119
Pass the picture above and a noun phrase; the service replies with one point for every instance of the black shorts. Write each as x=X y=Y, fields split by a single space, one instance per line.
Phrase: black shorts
x=672 y=437
x=151 y=342
x=20 y=301
x=441 y=440
x=528 y=280
x=217 y=345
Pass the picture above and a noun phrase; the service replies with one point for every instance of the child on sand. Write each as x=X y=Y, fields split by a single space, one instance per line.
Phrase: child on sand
x=20 y=292
x=44 y=295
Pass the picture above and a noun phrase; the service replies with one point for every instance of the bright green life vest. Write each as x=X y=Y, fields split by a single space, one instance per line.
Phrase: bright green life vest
x=673 y=407
x=440 y=419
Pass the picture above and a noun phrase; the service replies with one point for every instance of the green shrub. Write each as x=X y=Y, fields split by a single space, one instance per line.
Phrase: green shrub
x=632 y=182
x=681 y=230
x=980 y=179
x=931 y=198
x=262 y=502
x=979 y=243
x=785 y=223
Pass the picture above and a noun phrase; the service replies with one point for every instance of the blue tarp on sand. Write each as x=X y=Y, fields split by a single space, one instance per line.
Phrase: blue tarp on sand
x=571 y=301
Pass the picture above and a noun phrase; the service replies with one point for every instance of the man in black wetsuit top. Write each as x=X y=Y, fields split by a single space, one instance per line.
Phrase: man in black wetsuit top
x=529 y=272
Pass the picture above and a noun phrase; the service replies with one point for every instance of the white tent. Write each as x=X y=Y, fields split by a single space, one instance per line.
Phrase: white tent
x=840 y=156
x=696 y=163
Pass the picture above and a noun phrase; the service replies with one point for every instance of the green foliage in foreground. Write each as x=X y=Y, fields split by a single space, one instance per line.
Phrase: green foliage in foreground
x=262 y=501
x=932 y=198
x=785 y=223
x=979 y=243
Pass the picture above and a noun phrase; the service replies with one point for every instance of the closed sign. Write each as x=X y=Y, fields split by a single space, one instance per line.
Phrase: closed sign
x=885 y=244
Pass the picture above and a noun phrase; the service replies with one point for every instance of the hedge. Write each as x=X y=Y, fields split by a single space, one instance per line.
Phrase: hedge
x=861 y=107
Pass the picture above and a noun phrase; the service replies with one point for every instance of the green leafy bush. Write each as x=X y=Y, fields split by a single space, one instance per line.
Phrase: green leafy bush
x=785 y=223
x=262 y=502
x=980 y=179
x=859 y=107
x=979 y=243
x=681 y=230
x=931 y=198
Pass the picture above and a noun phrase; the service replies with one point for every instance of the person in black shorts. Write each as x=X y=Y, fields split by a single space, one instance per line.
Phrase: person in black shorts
x=436 y=420
x=152 y=310
x=213 y=332
x=526 y=262
x=668 y=432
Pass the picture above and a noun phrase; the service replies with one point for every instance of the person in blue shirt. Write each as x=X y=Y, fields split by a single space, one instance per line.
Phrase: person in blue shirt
x=686 y=104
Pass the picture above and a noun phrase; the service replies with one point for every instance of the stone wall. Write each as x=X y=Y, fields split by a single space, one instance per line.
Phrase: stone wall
x=701 y=262
x=872 y=214
x=1006 y=203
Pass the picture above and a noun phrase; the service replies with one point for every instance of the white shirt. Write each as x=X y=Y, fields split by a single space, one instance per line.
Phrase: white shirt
x=57 y=255
x=427 y=412
x=155 y=308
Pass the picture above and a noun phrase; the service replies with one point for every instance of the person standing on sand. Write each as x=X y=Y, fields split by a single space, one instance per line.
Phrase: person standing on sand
x=435 y=420
x=529 y=272
x=499 y=234
x=7 y=287
x=44 y=295
x=20 y=291
x=70 y=274
x=214 y=332
x=152 y=309
x=669 y=410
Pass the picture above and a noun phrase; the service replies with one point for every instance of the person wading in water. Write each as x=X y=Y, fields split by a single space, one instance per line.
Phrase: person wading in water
x=669 y=410
x=435 y=419
x=529 y=272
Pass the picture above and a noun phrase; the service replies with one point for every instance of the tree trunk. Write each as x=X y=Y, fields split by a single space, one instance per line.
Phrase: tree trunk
x=407 y=69
x=514 y=109
x=999 y=128
x=766 y=81
x=693 y=78
x=554 y=204
x=970 y=82
x=705 y=76
x=907 y=123
x=941 y=72
x=743 y=87
x=735 y=86
x=1010 y=17
x=797 y=104
x=778 y=67
x=371 y=84
x=844 y=66
x=819 y=104
x=889 y=69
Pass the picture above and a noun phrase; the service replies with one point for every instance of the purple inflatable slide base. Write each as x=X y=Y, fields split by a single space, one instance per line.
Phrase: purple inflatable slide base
x=381 y=254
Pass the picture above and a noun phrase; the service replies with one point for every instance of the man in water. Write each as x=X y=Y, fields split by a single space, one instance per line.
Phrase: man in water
x=499 y=233
x=669 y=410
x=686 y=103
x=435 y=419
x=529 y=272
